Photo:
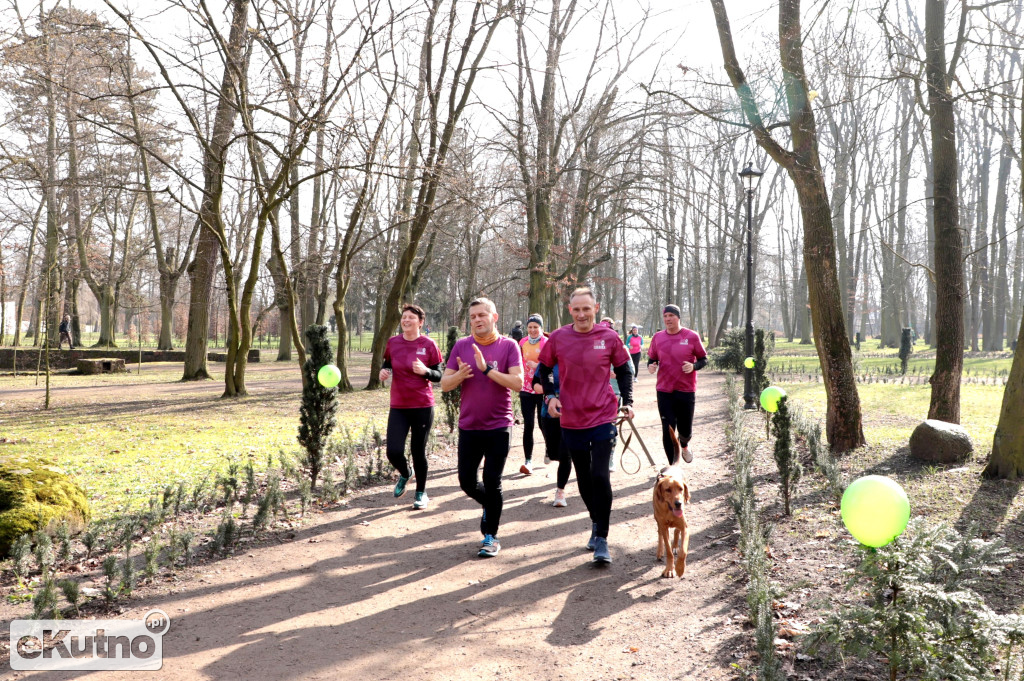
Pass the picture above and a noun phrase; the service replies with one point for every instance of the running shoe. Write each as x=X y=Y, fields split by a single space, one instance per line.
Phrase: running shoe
x=526 y=468
x=592 y=544
x=421 y=501
x=687 y=454
x=490 y=547
x=400 y=485
x=601 y=553
x=559 y=501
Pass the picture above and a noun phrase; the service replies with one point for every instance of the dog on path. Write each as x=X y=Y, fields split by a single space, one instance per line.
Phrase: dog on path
x=671 y=494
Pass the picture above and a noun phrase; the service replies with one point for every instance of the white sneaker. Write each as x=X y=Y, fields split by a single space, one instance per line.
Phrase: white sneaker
x=559 y=501
x=526 y=468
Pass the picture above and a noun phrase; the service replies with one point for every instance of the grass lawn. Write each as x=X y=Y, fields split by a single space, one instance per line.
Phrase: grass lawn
x=792 y=358
x=125 y=437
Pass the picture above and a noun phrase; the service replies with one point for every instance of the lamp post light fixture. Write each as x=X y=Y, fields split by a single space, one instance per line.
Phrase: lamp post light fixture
x=750 y=175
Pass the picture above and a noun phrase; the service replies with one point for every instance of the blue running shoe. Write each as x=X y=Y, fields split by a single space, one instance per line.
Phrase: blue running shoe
x=490 y=547
x=400 y=485
x=421 y=501
x=601 y=553
x=592 y=544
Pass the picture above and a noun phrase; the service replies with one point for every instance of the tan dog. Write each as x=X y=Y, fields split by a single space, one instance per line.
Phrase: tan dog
x=671 y=494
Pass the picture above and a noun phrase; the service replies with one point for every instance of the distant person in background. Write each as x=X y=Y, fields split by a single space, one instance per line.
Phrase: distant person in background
x=530 y=402
x=516 y=333
x=65 y=333
x=635 y=344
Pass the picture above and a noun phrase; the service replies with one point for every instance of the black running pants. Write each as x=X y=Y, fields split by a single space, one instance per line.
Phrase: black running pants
x=400 y=422
x=676 y=410
x=491 y=447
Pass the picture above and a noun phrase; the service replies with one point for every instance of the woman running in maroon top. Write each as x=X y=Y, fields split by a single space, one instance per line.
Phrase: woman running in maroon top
x=587 y=406
x=413 y=361
x=676 y=355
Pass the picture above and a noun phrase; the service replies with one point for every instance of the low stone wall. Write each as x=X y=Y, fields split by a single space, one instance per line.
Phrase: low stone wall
x=68 y=359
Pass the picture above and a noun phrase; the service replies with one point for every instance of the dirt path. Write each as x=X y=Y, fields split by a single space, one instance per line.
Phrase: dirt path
x=378 y=591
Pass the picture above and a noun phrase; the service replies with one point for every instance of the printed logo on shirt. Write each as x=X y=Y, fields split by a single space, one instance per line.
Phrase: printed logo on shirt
x=599 y=345
x=685 y=341
x=421 y=351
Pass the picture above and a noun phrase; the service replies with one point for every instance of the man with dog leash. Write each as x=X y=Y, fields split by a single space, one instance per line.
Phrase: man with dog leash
x=587 y=406
x=676 y=354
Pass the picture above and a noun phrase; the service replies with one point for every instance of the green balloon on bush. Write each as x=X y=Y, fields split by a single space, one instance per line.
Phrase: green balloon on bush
x=770 y=397
x=875 y=510
x=749 y=362
x=329 y=376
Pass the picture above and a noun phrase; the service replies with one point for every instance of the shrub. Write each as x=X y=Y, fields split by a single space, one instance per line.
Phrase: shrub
x=319 y=404
x=922 y=615
x=452 y=398
x=786 y=460
x=730 y=353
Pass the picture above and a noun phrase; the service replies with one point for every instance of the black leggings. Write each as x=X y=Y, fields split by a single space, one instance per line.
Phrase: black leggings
x=676 y=409
x=531 y=404
x=400 y=422
x=557 y=450
x=594 y=480
x=636 y=363
x=491 y=447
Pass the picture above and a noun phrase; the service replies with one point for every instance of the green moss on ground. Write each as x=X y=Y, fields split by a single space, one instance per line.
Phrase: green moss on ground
x=35 y=494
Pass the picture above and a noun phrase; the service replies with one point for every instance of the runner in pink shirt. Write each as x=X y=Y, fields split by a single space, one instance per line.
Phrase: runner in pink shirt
x=489 y=367
x=676 y=354
x=587 y=405
x=412 y=361
x=529 y=402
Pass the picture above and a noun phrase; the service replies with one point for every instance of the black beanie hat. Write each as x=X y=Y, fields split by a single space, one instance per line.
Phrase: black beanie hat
x=674 y=309
x=536 y=318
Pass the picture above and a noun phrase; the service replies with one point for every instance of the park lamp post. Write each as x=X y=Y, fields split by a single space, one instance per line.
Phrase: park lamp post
x=750 y=175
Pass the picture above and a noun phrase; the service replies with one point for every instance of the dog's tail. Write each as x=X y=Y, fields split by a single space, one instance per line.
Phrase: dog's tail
x=677 y=449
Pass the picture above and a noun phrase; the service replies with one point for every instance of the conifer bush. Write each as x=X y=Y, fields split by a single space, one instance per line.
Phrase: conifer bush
x=920 y=614
x=451 y=399
x=786 y=459
x=319 y=404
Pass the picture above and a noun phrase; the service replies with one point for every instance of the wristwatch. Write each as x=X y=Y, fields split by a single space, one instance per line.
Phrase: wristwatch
x=488 y=369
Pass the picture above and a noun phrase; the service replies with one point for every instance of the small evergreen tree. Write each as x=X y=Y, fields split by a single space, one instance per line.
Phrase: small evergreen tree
x=906 y=348
x=786 y=459
x=453 y=398
x=764 y=346
x=319 y=404
x=922 y=614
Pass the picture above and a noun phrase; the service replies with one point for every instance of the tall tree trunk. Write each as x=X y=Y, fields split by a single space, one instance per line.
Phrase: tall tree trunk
x=51 y=283
x=843 y=416
x=202 y=270
x=949 y=272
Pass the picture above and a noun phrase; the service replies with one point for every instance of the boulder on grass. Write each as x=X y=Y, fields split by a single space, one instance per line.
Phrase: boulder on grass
x=936 y=441
x=34 y=495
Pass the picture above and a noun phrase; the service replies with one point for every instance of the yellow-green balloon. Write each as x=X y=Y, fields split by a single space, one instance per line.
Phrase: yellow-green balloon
x=770 y=397
x=749 y=362
x=329 y=376
x=875 y=510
